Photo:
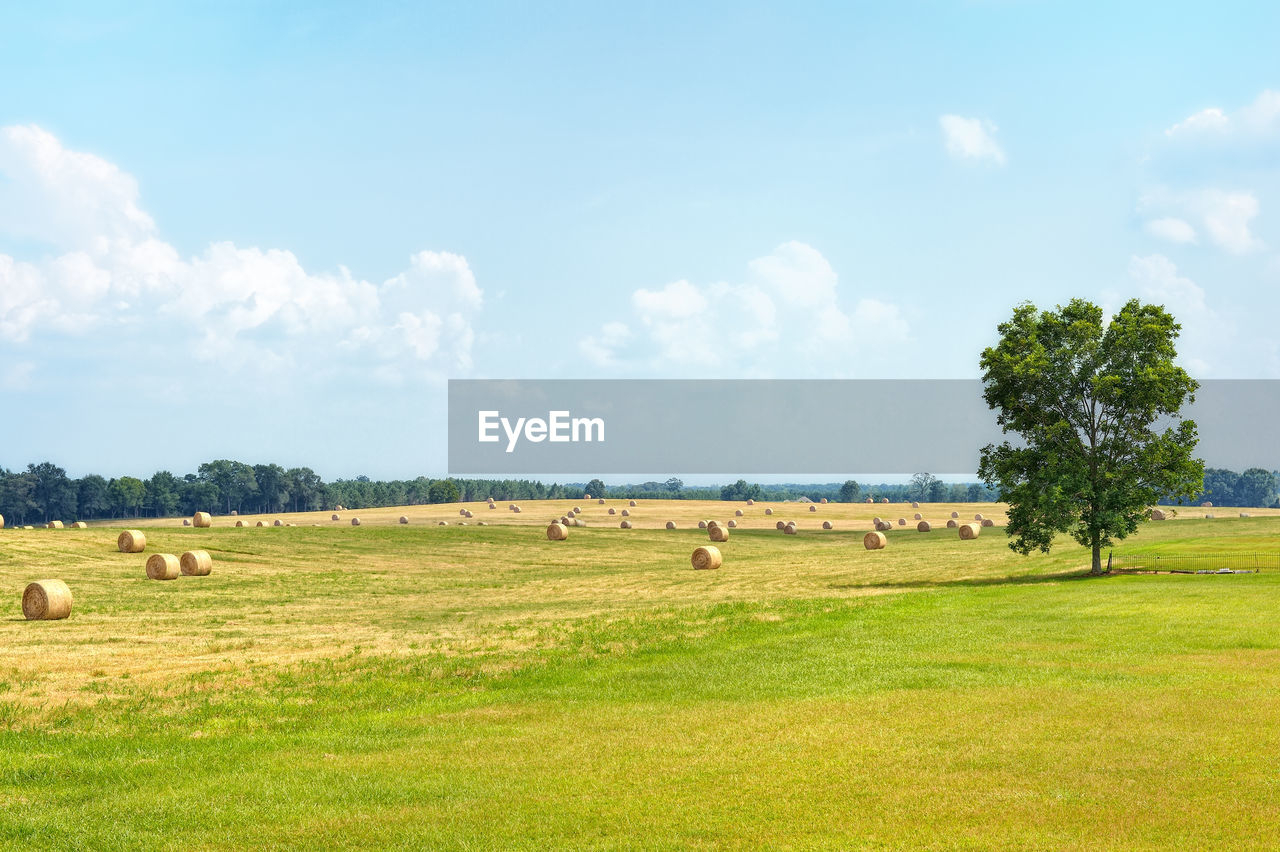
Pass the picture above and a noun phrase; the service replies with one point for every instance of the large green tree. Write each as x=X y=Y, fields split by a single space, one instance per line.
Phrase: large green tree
x=1088 y=400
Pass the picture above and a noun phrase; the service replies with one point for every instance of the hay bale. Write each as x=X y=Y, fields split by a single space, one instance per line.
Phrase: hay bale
x=625 y=525
x=46 y=600
x=557 y=532
x=702 y=525
x=235 y=512
x=781 y=525
x=813 y=508
x=511 y=507
x=737 y=513
x=632 y=504
x=1205 y=505
x=671 y=525
x=55 y=525
x=600 y=501
x=442 y=523
x=768 y=511
x=492 y=506
x=28 y=527
x=968 y=532
x=732 y=524
x=924 y=526
x=1244 y=514
x=277 y=523
x=987 y=522
x=241 y=523
x=516 y=510
x=586 y=496
x=884 y=499
x=884 y=526
x=824 y=499
x=955 y=514
x=918 y=517
x=262 y=523
x=131 y=541
x=869 y=500
x=196 y=563
x=79 y=525
x=874 y=541
x=335 y=517
x=469 y=515
x=877 y=520
x=612 y=511
x=186 y=522
x=1157 y=515
x=163 y=566
x=751 y=502
x=719 y=534
x=626 y=513
x=202 y=520
x=355 y=522
x=826 y=525
x=790 y=528
x=711 y=524
x=915 y=505
x=404 y=519
x=706 y=557
x=462 y=513
x=952 y=524
x=1209 y=516
x=902 y=522
x=484 y=524
x=978 y=517
x=1 y=522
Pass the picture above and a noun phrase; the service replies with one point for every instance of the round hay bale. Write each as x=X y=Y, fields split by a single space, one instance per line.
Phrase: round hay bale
x=600 y=501
x=626 y=513
x=702 y=525
x=46 y=600
x=79 y=525
x=902 y=522
x=235 y=512
x=355 y=522
x=557 y=532
x=1244 y=514
x=918 y=517
x=812 y=508
x=626 y=525
x=632 y=503
x=28 y=527
x=196 y=563
x=462 y=513
x=706 y=557
x=781 y=525
x=671 y=525
x=290 y=525
x=442 y=523
x=884 y=499
x=987 y=522
x=1 y=522
x=469 y=515
x=335 y=517
x=612 y=511
x=277 y=523
x=711 y=524
x=751 y=502
x=738 y=513
x=1209 y=515
x=202 y=520
x=131 y=541
x=262 y=523
x=952 y=524
x=824 y=499
x=915 y=505
x=732 y=524
x=404 y=519
x=564 y=519
x=493 y=506
x=790 y=528
x=955 y=514
x=1206 y=505
x=877 y=520
x=768 y=511
x=56 y=525
x=924 y=526
x=577 y=510
x=241 y=523
x=163 y=566
x=869 y=500
x=586 y=496
x=968 y=532
x=511 y=507
x=719 y=534
x=484 y=523
x=978 y=517
x=516 y=510
x=884 y=526
x=186 y=522
x=874 y=541
x=826 y=525
x=1157 y=515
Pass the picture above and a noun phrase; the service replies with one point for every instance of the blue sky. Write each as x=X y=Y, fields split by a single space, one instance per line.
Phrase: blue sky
x=271 y=232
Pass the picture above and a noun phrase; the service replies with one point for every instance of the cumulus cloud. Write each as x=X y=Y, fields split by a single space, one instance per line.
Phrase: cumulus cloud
x=788 y=304
x=106 y=267
x=1172 y=229
x=1256 y=120
x=1157 y=280
x=1225 y=216
x=971 y=139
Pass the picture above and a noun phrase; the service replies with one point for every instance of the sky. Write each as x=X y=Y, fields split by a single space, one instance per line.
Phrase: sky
x=272 y=232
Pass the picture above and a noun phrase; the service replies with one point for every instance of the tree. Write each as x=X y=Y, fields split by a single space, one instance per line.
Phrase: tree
x=92 y=497
x=1085 y=400
x=127 y=494
x=850 y=492
x=272 y=484
x=1256 y=487
x=595 y=488
x=921 y=485
x=162 y=493
x=54 y=494
x=442 y=491
x=233 y=480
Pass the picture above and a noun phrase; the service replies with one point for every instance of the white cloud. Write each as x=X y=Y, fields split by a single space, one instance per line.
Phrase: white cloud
x=1157 y=280
x=1172 y=229
x=971 y=139
x=1259 y=119
x=788 y=307
x=232 y=305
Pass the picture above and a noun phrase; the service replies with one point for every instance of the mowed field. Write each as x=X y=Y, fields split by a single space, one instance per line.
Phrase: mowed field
x=479 y=687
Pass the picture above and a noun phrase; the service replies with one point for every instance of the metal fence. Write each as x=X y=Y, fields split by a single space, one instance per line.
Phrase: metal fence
x=1197 y=563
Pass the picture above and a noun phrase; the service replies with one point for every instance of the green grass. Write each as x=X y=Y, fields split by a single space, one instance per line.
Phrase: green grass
x=480 y=688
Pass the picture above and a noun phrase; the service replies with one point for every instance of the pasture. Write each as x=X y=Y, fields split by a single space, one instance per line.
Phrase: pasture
x=477 y=687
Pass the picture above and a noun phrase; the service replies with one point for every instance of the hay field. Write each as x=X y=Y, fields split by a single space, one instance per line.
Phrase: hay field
x=419 y=686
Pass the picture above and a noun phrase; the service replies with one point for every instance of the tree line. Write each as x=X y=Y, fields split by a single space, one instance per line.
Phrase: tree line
x=43 y=492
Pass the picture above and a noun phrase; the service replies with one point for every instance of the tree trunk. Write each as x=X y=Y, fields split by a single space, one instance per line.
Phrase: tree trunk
x=1097 y=555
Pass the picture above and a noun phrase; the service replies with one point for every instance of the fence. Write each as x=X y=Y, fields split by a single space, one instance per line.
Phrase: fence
x=1194 y=563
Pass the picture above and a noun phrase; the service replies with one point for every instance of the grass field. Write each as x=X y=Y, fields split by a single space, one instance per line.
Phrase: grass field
x=473 y=687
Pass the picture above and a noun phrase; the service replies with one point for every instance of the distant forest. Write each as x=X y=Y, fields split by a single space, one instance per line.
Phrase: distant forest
x=43 y=492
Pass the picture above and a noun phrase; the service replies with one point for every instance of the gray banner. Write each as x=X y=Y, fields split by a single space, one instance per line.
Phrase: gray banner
x=781 y=426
